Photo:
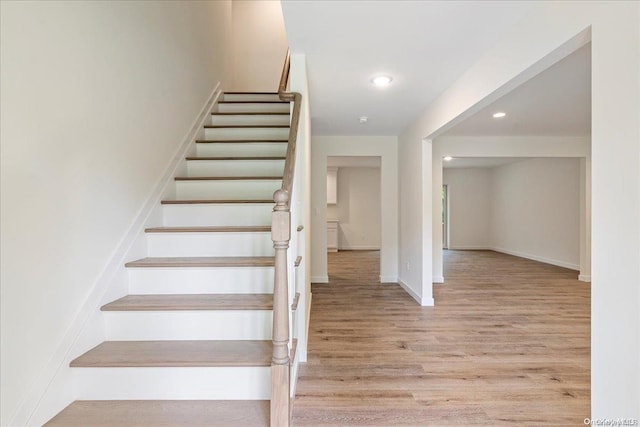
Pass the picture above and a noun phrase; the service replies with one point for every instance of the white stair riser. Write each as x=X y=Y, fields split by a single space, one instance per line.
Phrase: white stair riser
x=209 y=244
x=241 y=149
x=250 y=119
x=235 y=167
x=227 y=189
x=189 y=325
x=246 y=133
x=280 y=107
x=167 y=383
x=251 y=97
x=217 y=214
x=222 y=280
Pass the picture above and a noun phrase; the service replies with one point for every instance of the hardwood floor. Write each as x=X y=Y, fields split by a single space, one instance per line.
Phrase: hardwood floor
x=508 y=343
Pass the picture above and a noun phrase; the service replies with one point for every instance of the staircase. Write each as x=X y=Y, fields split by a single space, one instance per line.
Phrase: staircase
x=191 y=345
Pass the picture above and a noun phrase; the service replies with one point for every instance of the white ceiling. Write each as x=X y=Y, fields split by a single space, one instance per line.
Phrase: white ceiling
x=556 y=102
x=424 y=45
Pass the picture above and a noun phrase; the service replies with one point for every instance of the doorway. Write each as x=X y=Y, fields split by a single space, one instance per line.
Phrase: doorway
x=354 y=207
x=445 y=217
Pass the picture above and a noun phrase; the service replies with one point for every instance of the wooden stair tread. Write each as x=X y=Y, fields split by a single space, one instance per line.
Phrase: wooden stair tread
x=191 y=302
x=254 y=102
x=246 y=126
x=197 y=353
x=250 y=93
x=210 y=201
x=226 y=178
x=237 y=158
x=163 y=413
x=234 y=141
x=248 y=261
x=207 y=261
x=252 y=113
x=217 y=229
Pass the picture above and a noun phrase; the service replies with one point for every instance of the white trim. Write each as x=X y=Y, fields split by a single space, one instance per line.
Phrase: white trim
x=46 y=381
x=410 y=291
x=538 y=258
x=425 y=302
x=388 y=279
x=469 y=248
x=302 y=350
x=359 y=248
x=584 y=278
x=293 y=381
x=319 y=279
x=438 y=279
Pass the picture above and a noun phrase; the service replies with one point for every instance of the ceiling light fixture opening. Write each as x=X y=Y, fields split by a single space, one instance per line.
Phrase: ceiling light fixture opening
x=381 y=81
x=364 y=119
x=447 y=158
x=499 y=115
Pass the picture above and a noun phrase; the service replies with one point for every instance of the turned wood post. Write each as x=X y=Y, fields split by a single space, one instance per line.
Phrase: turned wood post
x=280 y=234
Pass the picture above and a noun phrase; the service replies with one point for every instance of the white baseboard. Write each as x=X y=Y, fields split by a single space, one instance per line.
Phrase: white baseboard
x=425 y=302
x=410 y=291
x=584 y=278
x=359 y=248
x=469 y=248
x=437 y=279
x=538 y=258
x=41 y=401
x=388 y=279
x=319 y=279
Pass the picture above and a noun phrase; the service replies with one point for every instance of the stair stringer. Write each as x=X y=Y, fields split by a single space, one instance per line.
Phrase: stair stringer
x=53 y=389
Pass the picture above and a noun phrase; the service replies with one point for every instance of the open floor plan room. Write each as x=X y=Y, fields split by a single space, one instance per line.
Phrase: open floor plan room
x=508 y=342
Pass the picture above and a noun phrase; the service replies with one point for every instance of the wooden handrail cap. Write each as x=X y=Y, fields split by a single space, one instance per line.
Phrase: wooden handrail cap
x=281 y=196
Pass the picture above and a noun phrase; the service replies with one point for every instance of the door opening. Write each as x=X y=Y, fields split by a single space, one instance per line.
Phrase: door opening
x=445 y=217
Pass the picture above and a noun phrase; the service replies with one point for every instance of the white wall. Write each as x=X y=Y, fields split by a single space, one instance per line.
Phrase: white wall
x=470 y=199
x=415 y=216
x=529 y=208
x=504 y=146
x=358 y=208
x=536 y=210
x=259 y=45
x=96 y=98
x=386 y=148
x=548 y=33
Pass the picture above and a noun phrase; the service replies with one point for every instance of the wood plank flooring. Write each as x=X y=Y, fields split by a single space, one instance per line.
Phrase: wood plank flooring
x=508 y=343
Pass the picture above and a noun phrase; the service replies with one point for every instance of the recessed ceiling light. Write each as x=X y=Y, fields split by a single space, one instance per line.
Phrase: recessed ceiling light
x=448 y=158
x=364 y=119
x=499 y=115
x=381 y=81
